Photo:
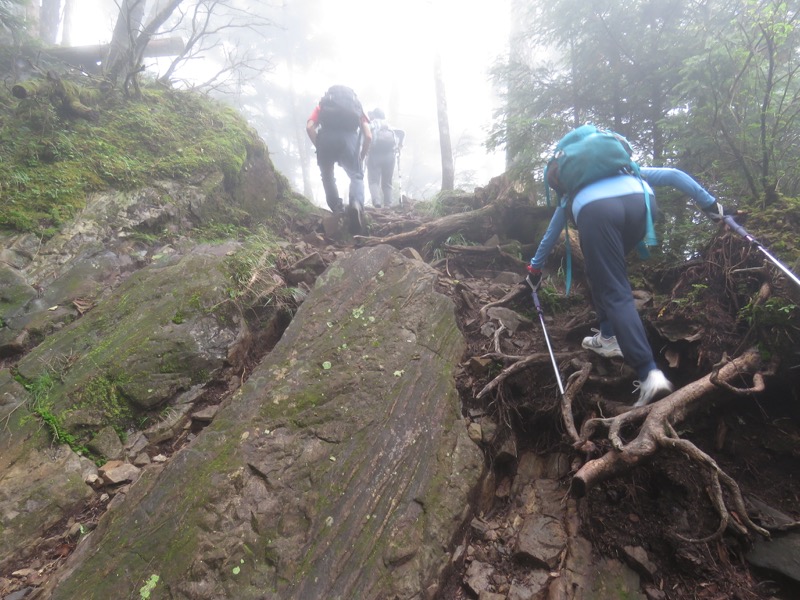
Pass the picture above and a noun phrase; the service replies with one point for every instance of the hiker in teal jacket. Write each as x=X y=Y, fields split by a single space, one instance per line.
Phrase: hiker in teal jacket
x=611 y=218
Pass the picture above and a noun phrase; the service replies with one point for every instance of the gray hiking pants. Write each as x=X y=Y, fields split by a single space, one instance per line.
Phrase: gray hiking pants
x=380 y=170
x=344 y=148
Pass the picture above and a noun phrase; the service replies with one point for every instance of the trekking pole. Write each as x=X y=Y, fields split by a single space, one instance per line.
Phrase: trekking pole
x=399 y=181
x=546 y=338
x=742 y=232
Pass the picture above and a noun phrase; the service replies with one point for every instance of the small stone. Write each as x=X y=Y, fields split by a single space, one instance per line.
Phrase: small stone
x=653 y=593
x=23 y=573
x=488 y=429
x=119 y=473
x=638 y=560
x=479 y=365
x=19 y=594
x=205 y=415
x=474 y=432
x=136 y=443
x=488 y=329
x=497 y=291
x=509 y=318
x=504 y=488
x=478 y=575
x=111 y=464
x=142 y=460
x=106 y=443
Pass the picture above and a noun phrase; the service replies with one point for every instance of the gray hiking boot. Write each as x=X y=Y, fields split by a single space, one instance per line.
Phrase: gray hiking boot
x=356 y=217
x=338 y=207
x=603 y=346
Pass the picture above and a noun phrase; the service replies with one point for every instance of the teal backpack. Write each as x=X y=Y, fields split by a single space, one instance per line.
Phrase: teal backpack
x=583 y=156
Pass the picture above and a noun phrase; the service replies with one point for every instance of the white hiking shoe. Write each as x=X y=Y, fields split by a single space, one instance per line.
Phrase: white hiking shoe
x=603 y=346
x=655 y=386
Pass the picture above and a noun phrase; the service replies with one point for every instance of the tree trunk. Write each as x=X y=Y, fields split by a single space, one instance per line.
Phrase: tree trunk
x=126 y=30
x=66 y=30
x=126 y=52
x=49 y=19
x=448 y=167
x=517 y=55
x=576 y=103
x=299 y=119
x=507 y=209
x=89 y=57
x=54 y=86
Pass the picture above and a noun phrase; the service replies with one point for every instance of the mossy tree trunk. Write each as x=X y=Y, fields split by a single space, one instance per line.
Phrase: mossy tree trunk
x=69 y=95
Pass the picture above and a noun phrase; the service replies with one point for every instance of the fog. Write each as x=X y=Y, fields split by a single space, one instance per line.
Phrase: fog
x=383 y=49
x=394 y=70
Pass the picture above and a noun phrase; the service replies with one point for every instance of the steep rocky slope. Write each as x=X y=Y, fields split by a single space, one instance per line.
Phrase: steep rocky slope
x=161 y=372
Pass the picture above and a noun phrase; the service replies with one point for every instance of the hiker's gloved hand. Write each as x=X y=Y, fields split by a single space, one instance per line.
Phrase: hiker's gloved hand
x=715 y=212
x=534 y=277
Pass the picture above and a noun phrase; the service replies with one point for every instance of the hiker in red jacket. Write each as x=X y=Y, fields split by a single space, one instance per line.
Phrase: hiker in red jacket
x=340 y=132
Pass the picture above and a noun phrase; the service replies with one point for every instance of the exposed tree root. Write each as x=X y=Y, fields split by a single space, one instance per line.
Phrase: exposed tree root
x=657 y=431
x=520 y=290
x=518 y=363
x=485 y=252
x=504 y=205
x=574 y=385
x=436 y=231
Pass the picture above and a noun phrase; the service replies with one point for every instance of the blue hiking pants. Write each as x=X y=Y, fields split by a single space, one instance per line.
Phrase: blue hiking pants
x=610 y=228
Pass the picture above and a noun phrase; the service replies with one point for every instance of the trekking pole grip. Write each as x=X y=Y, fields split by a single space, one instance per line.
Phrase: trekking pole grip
x=739 y=229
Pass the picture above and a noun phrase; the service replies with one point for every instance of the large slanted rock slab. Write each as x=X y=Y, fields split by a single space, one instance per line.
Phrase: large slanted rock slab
x=38 y=481
x=128 y=354
x=341 y=469
x=34 y=487
x=166 y=328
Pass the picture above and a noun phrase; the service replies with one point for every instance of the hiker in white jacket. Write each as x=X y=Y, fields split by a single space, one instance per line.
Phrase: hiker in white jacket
x=612 y=219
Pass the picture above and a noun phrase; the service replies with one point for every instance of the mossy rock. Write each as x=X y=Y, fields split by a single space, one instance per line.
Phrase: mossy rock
x=341 y=469
x=129 y=352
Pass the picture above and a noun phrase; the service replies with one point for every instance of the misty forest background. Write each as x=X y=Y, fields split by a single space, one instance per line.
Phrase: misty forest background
x=710 y=86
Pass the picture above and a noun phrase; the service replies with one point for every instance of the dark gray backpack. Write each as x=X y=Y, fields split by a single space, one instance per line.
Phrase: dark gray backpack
x=340 y=109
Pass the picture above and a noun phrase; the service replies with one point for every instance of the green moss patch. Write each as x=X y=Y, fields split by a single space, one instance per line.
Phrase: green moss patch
x=49 y=162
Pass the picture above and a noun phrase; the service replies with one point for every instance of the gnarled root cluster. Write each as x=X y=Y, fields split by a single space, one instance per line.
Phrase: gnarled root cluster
x=657 y=424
